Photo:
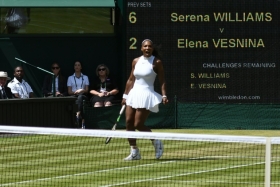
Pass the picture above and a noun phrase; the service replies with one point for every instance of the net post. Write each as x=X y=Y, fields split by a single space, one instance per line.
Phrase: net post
x=175 y=111
x=267 y=162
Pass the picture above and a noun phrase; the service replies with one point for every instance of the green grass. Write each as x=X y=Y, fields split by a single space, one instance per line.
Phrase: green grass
x=66 y=20
x=40 y=160
x=265 y=133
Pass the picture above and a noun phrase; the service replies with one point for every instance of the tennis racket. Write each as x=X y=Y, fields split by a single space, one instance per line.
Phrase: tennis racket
x=115 y=125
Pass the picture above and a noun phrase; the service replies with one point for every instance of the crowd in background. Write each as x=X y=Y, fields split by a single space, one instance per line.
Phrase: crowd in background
x=139 y=96
x=100 y=91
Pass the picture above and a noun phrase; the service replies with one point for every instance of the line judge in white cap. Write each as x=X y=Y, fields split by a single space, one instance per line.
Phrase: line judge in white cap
x=5 y=92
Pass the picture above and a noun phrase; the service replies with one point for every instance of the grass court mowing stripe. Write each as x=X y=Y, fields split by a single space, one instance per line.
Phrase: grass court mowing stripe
x=61 y=160
x=87 y=173
x=184 y=174
x=159 y=179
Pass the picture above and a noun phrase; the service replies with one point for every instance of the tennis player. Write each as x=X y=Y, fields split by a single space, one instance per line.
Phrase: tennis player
x=140 y=97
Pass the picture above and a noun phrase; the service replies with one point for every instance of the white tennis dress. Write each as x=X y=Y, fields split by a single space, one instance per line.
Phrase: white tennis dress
x=142 y=95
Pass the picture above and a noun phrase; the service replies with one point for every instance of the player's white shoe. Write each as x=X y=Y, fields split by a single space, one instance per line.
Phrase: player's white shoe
x=158 y=148
x=133 y=156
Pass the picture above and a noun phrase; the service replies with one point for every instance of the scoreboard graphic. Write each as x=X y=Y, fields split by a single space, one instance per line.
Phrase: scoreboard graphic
x=212 y=51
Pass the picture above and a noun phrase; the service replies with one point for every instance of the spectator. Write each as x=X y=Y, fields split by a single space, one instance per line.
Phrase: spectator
x=103 y=88
x=19 y=87
x=78 y=87
x=60 y=83
x=5 y=92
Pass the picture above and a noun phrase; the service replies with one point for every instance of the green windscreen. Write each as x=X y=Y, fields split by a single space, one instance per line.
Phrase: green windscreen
x=182 y=115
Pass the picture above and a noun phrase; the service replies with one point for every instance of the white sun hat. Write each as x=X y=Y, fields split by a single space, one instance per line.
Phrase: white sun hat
x=4 y=74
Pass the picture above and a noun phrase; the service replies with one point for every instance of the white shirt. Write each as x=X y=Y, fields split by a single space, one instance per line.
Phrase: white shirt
x=22 y=88
x=77 y=83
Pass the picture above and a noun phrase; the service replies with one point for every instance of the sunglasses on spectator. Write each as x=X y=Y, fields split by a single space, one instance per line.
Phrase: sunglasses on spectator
x=101 y=69
x=55 y=67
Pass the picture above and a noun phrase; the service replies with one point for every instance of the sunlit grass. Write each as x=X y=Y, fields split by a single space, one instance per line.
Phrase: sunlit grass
x=44 y=160
x=265 y=133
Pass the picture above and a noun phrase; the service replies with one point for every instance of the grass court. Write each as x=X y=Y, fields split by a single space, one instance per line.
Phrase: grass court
x=57 y=160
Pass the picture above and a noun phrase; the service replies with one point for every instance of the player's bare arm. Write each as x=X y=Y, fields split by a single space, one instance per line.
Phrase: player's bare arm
x=160 y=71
x=131 y=79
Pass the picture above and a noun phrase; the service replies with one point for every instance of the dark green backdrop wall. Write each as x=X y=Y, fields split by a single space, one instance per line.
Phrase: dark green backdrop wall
x=41 y=51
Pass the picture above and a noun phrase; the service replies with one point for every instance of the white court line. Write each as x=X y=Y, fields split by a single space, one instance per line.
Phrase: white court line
x=122 y=168
x=87 y=173
x=185 y=174
x=216 y=182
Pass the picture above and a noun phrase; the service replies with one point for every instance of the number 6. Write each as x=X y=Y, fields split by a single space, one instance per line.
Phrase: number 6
x=132 y=17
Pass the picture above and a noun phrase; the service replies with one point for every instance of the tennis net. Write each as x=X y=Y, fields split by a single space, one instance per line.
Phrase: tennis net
x=77 y=157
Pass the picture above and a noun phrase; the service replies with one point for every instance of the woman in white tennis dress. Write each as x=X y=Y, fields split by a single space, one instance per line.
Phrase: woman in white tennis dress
x=140 y=97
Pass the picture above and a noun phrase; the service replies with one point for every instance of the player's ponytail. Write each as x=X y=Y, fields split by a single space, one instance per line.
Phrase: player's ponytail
x=156 y=51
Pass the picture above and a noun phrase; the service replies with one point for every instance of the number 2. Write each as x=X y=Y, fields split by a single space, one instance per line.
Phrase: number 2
x=132 y=46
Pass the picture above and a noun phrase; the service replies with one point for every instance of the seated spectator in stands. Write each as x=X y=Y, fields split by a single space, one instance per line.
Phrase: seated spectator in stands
x=19 y=87
x=103 y=88
x=78 y=84
x=5 y=92
x=60 y=83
